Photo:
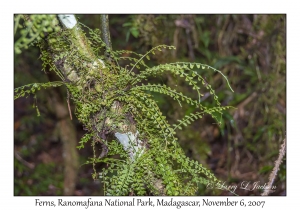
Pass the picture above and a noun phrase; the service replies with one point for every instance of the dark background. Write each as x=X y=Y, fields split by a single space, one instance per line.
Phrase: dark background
x=249 y=49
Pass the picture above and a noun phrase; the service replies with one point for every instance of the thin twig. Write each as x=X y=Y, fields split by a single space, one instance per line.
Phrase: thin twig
x=68 y=101
x=29 y=165
x=273 y=174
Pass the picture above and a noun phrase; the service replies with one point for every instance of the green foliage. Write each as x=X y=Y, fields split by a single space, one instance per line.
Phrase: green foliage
x=110 y=97
x=33 y=29
x=38 y=180
x=32 y=88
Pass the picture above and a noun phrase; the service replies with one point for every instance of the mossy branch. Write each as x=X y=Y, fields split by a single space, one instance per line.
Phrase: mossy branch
x=119 y=114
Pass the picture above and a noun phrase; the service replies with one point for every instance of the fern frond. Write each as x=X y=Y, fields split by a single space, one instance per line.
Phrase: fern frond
x=135 y=60
x=159 y=48
x=175 y=70
x=119 y=184
x=122 y=52
x=32 y=88
x=190 y=66
x=163 y=89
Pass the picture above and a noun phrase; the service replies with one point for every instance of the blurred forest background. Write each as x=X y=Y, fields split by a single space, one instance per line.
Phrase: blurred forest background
x=249 y=49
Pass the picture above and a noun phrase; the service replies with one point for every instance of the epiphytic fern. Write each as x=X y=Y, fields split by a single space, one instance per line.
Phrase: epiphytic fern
x=116 y=109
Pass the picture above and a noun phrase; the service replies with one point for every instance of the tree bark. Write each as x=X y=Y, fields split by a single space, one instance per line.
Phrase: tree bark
x=67 y=134
x=128 y=136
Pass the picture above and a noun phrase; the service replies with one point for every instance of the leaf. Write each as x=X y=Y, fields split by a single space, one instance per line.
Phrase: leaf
x=135 y=32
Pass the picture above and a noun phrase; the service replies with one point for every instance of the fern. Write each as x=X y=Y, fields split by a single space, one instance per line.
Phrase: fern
x=33 y=29
x=163 y=89
x=32 y=88
x=111 y=100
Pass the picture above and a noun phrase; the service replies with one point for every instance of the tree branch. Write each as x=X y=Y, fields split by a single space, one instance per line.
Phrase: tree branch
x=128 y=136
x=105 y=34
